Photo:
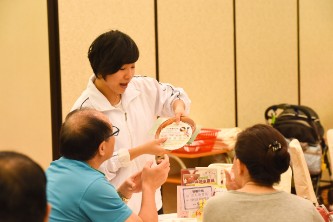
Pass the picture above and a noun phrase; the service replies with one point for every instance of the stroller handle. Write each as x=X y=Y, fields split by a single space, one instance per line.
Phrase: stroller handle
x=285 y=106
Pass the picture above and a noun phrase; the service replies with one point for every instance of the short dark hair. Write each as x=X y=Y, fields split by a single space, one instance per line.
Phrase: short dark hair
x=254 y=148
x=82 y=133
x=22 y=189
x=110 y=51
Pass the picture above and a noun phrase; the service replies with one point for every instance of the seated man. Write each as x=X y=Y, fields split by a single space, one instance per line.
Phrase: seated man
x=79 y=192
x=22 y=189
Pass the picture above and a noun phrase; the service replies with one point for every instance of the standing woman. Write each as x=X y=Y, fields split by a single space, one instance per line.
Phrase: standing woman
x=132 y=104
x=261 y=156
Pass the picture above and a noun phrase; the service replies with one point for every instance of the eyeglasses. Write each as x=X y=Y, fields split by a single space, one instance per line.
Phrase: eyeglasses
x=115 y=131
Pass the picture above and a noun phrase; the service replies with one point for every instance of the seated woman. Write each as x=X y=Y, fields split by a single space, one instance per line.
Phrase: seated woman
x=261 y=156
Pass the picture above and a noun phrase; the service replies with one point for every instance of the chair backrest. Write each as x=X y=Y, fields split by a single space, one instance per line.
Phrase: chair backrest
x=285 y=182
x=302 y=179
x=330 y=148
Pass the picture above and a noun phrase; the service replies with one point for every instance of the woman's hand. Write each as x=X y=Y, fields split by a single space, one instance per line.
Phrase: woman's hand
x=152 y=147
x=178 y=108
x=230 y=181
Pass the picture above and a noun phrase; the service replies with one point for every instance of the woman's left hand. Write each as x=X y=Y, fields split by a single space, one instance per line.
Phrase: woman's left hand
x=230 y=180
x=179 y=109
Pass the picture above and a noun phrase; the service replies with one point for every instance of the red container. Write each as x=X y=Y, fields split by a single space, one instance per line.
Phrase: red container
x=207 y=134
x=204 y=142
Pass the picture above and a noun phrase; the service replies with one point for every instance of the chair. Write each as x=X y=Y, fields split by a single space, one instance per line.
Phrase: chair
x=302 y=178
x=330 y=151
x=285 y=182
x=330 y=148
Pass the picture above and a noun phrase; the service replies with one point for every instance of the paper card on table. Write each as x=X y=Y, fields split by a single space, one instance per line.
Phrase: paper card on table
x=220 y=171
x=206 y=175
x=188 y=176
x=198 y=176
x=190 y=200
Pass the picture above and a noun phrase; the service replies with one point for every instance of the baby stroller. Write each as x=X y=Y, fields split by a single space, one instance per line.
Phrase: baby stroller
x=302 y=123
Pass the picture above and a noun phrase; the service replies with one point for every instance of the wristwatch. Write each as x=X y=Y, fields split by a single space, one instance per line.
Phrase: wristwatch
x=122 y=197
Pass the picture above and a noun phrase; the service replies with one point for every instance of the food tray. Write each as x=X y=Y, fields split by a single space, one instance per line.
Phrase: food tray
x=204 y=142
x=206 y=133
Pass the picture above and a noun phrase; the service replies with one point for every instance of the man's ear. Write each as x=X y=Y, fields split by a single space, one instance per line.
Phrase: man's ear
x=101 y=148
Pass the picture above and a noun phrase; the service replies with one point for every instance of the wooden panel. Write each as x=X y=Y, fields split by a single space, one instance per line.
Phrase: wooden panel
x=82 y=21
x=25 y=84
x=266 y=57
x=316 y=55
x=196 y=53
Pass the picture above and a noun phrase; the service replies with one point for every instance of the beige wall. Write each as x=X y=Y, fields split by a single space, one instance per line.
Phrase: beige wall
x=25 y=120
x=266 y=57
x=196 y=51
x=316 y=45
x=81 y=22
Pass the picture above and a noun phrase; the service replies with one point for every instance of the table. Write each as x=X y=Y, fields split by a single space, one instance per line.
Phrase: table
x=173 y=218
x=177 y=156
